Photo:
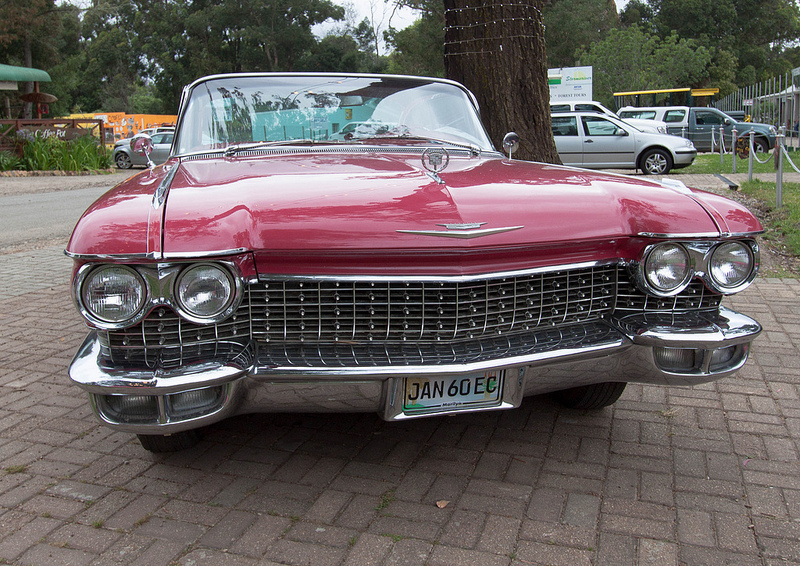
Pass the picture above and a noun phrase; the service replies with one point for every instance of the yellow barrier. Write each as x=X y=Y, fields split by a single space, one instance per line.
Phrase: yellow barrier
x=120 y=125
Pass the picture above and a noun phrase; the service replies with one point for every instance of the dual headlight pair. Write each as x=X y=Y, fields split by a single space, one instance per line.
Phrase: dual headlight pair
x=117 y=294
x=727 y=267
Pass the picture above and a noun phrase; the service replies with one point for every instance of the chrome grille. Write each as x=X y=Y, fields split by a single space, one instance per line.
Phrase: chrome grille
x=695 y=297
x=323 y=322
x=307 y=311
x=163 y=339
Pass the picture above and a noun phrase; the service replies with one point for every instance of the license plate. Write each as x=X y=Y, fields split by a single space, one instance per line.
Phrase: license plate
x=437 y=394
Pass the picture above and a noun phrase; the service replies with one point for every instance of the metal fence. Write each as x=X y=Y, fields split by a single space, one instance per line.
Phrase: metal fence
x=742 y=144
x=775 y=101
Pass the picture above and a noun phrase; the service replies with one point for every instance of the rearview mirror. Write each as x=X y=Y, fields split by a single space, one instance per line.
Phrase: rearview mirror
x=350 y=100
x=510 y=143
x=143 y=145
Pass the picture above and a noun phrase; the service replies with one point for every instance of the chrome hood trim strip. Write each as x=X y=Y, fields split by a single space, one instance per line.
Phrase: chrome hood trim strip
x=437 y=278
x=156 y=256
x=461 y=234
x=701 y=235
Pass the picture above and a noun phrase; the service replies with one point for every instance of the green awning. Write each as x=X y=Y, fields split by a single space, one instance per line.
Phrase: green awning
x=23 y=74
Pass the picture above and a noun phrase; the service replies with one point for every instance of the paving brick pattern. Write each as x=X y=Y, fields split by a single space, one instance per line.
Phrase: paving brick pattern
x=704 y=475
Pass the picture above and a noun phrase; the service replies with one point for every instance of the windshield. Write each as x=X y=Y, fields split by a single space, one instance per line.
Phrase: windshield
x=237 y=110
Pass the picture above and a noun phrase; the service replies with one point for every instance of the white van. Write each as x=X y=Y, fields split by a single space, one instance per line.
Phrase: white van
x=645 y=125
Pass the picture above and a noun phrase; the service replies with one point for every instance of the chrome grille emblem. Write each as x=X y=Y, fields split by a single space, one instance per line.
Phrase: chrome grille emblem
x=464 y=231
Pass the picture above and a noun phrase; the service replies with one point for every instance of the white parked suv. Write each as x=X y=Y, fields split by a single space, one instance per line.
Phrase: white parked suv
x=645 y=125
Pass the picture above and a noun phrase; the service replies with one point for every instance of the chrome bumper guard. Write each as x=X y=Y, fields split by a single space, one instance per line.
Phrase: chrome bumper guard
x=668 y=349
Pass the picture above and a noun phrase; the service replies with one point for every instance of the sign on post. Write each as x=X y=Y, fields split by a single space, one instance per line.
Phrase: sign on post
x=569 y=84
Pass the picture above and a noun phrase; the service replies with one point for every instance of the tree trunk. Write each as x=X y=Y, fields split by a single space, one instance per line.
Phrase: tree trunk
x=27 y=112
x=497 y=50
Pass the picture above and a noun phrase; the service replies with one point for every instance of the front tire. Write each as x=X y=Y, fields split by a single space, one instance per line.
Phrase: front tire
x=123 y=160
x=590 y=397
x=169 y=443
x=656 y=162
x=760 y=145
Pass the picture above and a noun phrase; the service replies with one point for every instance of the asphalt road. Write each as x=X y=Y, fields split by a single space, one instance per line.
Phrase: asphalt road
x=38 y=211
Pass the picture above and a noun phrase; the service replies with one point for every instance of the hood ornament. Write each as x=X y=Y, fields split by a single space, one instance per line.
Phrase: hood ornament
x=465 y=231
x=435 y=160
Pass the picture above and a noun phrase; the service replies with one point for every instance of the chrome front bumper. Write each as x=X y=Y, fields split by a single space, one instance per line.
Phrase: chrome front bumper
x=638 y=348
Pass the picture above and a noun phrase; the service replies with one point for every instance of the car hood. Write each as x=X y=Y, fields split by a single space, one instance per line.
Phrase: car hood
x=379 y=204
x=744 y=127
x=646 y=125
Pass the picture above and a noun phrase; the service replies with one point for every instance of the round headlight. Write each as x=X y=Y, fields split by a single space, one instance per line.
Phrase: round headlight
x=113 y=293
x=667 y=268
x=204 y=290
x=731 y=264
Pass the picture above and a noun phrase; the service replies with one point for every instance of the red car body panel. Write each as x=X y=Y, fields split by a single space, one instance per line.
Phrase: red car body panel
x=284 y=260
x=343 y=213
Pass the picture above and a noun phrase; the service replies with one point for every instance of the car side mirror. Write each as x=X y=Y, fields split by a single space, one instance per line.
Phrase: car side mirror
x=143 y=145
x=622 y=133
x=510 y=143
x=727 y=122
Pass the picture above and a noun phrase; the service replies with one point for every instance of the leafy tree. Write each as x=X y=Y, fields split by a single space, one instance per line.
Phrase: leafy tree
x=640 y=13
x=112 y=66
x=630 y=59
x=65 y=62
x=27 y=32
x=704 y=20
x=755 y=31
x=419 y=48
x=566 y=34
x=334 y=53
x=722 y=71
x=184 y=39
x=28 y=27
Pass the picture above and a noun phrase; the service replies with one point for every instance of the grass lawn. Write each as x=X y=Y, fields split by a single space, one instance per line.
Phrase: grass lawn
x=709 y=163
x=783 y=225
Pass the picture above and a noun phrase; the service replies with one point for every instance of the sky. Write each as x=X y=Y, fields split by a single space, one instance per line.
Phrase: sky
x=380 y=11
x=383 y=13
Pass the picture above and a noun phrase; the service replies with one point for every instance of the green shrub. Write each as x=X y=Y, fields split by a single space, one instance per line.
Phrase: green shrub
x=49 y=153
x=9 y=161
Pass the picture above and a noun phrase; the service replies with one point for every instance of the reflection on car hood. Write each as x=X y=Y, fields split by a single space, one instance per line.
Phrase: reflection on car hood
x=374 y=203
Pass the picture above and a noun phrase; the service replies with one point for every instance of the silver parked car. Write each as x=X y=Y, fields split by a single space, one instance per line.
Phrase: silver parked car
x=125 y=157
x=593 y=141
x=645 y=124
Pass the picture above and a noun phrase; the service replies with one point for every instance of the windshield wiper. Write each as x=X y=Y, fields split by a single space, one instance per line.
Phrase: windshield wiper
x=473 y=149
x=232 y=150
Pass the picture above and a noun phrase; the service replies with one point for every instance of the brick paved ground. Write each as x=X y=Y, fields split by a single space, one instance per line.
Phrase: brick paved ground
x=708 y=475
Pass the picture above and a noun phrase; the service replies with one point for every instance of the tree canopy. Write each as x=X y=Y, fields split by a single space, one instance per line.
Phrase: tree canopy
x=136 y=55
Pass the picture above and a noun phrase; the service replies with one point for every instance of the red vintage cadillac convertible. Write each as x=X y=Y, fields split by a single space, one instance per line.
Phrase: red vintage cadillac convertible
x=325 y=242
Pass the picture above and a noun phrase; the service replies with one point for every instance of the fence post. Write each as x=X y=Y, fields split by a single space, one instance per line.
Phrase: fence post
x=750 y=156
x=779 y=168
x=734 y=146
x=721 y=145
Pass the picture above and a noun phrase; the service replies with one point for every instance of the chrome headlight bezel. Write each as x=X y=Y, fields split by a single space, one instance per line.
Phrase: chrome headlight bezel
x=647 y=270
x=85 y=278
x=225 y=308
x=713 y=279
x=700 y=253
x=159 y=280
